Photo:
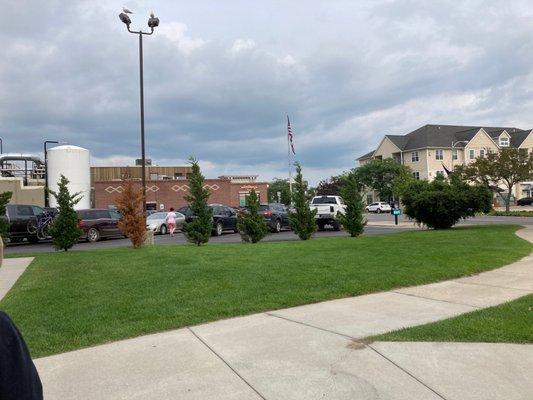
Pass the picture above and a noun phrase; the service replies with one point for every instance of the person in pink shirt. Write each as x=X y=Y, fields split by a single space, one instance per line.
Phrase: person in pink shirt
x=171 y=221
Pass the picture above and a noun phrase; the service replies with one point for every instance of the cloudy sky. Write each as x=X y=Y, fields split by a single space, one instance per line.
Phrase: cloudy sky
x=221 y=75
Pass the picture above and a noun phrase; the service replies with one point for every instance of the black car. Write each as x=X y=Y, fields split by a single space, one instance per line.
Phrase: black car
x=22 y=220
x=525 y=201
x=224 y=218
x=276 y=216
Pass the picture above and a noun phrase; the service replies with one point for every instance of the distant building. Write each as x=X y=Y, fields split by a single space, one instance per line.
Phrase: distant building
x=166 y=186
x=430 y=149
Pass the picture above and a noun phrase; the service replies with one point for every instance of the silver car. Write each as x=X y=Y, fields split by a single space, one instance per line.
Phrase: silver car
x=157 y=222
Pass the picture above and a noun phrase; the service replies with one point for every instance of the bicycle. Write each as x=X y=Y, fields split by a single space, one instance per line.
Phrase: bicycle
x=40 y=226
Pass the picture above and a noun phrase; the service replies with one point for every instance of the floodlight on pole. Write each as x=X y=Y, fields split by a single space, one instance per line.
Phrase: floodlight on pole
x=153 y=22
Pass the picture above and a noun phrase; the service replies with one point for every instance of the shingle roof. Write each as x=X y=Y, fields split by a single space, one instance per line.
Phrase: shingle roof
x=442 y=135
x=367 y=155
x=518 y=137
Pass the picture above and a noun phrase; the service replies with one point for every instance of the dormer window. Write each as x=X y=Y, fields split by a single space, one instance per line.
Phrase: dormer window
x=504 y=141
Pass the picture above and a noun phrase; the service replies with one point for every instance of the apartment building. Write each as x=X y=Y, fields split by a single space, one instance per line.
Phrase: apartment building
x=431 y=149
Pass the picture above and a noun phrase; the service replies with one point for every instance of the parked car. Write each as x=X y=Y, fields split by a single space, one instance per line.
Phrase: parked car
x=99 y=223
x=276 y=216
x=157 y=222
x=224 y=218
x=525 y=201
x=379 y=207
x=327 y=208
x=22 y=219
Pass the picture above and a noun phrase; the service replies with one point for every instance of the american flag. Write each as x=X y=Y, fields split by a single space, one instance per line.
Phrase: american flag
x=290 y=136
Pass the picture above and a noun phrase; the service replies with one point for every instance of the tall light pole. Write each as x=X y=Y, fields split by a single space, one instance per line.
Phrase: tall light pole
x=153 y=22
x=46 y=194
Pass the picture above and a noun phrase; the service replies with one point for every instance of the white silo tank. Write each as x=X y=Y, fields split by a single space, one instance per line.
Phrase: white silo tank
x=74 y=163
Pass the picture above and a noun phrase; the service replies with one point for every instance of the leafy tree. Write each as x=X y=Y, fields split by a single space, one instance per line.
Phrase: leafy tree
x=440 y=204
x=65 y=229
x=130 y=205
x=252 y=225
x=384 y=176
x=198 y=231
x=282 y=186
x=330 y=186
x=302 y=220
x=507 y=167
x=350 y=191
x=4 y=200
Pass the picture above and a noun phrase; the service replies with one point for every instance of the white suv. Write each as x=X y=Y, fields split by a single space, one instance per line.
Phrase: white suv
x=379 y=207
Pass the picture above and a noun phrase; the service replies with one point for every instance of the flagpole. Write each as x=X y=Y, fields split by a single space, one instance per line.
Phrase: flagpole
x=289 y=159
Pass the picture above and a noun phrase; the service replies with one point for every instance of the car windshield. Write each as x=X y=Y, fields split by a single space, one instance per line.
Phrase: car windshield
x=157 y=215
x=324 y=200
x=264 y=207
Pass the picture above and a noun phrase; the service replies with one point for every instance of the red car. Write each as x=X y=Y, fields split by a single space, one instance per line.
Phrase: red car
x=99 y=223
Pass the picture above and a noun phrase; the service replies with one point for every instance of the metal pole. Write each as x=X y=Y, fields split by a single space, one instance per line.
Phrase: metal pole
x=143 y=156
x=46 y=201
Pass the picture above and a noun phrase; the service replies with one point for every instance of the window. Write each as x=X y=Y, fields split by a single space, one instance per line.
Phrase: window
x=414 y=156
x=472 y=154
x=482 y=153
x=38 y=211
x=504 y=141
x=439 y=154
x=369 y=199
x=416 y=175
x=24 y=211
x=454 y=154
x=116 y=215
x=324 y=200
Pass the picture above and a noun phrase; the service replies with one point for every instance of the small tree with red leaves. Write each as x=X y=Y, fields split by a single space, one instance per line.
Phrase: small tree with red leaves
x=133 y=222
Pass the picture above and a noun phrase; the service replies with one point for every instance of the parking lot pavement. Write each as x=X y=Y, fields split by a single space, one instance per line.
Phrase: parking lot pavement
x=378 y=224
x=179 y=238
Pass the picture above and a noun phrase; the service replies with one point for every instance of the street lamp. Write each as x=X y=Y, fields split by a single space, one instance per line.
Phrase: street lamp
x=153 y=22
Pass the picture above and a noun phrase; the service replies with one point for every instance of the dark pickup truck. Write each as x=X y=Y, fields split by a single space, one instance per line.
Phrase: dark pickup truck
x=19 y=218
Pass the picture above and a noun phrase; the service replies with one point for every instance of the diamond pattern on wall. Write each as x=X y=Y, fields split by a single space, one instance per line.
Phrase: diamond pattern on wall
x=113 y=189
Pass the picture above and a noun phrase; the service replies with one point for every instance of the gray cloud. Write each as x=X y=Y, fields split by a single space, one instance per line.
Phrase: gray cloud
x=220 y=78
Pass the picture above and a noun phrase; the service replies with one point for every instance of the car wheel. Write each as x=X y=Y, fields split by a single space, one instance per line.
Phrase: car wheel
x=321 y=227
x=277 y=227
x=16 y=240
x=378 y=211
x=336 y=226
x=93 y=235
x=163 y=229
x=218 y=229
x=33 y=239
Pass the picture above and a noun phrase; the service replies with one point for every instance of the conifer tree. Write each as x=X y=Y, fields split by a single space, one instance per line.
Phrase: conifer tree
x=302 y=220
x=133 y=221
x=252 y=225
x=4 y=226
x=198 y=231
x=350 y=191
x=64 y=230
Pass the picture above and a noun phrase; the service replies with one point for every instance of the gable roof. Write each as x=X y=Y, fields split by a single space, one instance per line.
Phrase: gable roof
x=444 y=135
x=367 y=155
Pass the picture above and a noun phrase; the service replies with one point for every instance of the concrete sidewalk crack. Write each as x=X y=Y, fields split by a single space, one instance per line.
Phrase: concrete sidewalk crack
x=443 y=301
x=227 y=364
x=406 y=372
x=311 y=326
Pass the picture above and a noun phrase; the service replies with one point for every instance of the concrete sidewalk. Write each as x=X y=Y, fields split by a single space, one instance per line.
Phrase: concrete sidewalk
x=314 y=352
x=11 y=270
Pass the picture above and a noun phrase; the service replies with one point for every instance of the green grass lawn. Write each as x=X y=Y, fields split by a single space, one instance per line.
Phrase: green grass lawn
x=510 y=323
x=70 y=300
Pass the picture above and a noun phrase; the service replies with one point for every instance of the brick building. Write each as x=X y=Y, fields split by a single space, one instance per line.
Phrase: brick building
x=161 y=194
